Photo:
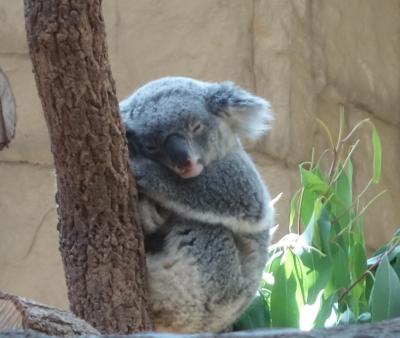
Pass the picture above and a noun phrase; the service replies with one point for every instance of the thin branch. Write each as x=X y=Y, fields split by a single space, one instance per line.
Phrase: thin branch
x=367 y=272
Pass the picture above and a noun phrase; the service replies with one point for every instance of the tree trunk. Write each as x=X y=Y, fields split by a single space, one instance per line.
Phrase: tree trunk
x=100 y=241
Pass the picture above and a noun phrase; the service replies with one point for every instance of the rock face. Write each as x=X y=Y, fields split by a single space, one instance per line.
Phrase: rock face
x=307 y=57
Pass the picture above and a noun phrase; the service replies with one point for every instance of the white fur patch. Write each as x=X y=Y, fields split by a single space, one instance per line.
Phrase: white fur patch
x=251 y=122
x=235 y=224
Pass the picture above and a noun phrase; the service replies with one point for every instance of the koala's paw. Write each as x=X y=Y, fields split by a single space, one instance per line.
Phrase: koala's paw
x=150 y=218
x=149 y=174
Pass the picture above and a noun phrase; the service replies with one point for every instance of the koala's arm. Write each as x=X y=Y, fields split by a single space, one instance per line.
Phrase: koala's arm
x=228 y=192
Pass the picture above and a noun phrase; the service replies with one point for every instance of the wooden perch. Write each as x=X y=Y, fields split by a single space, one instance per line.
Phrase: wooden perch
x=19 y=315
x=387 y=329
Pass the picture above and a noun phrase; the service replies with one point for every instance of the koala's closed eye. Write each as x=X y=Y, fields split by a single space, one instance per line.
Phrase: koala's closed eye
x=196 y=127
x=151 y=148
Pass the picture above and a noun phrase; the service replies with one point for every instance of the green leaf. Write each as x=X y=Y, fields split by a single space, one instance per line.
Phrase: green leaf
x=377 y=155
x=347 y=317
x=313 y=182
x=357 y=300
x=358 y=259
x=369 y=285
x=308 y=236
x=340 y=277
x=397 y=233
x=385 y=295
x=396 y=266
x=255 y=316
x=377 y=254
x=364 y=318
x=284 y=307
x=342 y=201
x=293 y=207
x=323 y=231
x=358 y=230
x=308 y=199
x=317 y=272
x=309 y=313
x=273 y=262
x=394 y=253
x=358 y=265
x=317 y=171
x=343 y=186
x=296 y=267
x=325 y=310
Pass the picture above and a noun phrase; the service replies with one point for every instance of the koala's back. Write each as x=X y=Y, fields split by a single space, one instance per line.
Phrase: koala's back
x=205 y=276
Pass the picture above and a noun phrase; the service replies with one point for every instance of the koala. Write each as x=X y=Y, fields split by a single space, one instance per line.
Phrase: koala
x=205 y=210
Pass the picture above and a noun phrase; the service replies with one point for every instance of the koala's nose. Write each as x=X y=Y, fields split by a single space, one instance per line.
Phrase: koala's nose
x=192 y=169
x=177 y=149
x=184 y=163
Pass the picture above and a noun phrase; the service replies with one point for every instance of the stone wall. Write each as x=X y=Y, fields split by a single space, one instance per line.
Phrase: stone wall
x=306 y=56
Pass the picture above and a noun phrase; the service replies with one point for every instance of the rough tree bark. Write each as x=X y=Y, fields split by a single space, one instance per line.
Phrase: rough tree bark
x=100 y=241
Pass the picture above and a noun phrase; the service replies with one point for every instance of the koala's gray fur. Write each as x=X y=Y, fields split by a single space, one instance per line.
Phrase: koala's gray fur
x=205 y=209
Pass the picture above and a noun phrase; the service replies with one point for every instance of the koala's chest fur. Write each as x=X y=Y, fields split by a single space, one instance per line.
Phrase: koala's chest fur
x=206 y=272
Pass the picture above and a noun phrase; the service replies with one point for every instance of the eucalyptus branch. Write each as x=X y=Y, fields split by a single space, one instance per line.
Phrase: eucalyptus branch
x=367 y=272
x=354 y=129
x=328 y=132
x=300 y=201
x=362 y=193
x=372 y=201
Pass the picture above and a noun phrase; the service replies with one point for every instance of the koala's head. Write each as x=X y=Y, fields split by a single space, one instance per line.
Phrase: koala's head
x=185 y=124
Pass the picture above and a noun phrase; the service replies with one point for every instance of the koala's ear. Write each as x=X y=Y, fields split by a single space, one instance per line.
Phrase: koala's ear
x=247 y=114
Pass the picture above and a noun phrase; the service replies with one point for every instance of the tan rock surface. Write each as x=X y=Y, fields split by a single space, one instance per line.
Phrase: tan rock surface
x=30 y=263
